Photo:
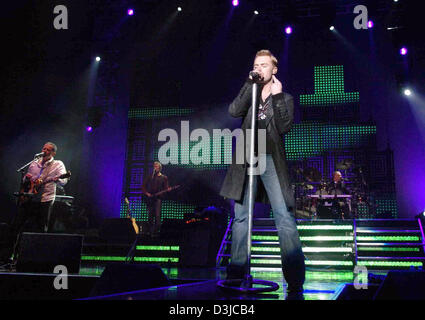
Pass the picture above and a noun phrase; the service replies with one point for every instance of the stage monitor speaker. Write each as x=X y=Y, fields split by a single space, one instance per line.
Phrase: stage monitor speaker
x=200 y=245
x=42 y=252
x=119 y=278
x=402 y=285
x=117 y=230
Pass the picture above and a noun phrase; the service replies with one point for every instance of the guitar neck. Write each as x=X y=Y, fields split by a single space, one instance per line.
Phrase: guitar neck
x=160 y=193
x=164 y=191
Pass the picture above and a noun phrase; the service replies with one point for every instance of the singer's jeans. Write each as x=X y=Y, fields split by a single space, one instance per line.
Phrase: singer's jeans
x=290 y=245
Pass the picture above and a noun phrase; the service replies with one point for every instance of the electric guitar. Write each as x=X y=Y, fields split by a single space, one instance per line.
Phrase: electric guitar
x=133 y=220
x=30 y=188
x=34 y=186
x=160 y=193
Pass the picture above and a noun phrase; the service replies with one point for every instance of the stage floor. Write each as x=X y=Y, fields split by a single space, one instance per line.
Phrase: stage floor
x=200 y=284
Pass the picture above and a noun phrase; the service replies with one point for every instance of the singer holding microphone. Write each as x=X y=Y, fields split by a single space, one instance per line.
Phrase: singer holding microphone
x=152 y=184
x=275 y=114
x=44 y=173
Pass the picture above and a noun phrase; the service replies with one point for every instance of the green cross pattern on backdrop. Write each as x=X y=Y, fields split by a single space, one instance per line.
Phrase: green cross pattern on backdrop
x=329 y=88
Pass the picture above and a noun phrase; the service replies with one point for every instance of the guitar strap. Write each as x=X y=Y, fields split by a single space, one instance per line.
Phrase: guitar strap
x=44 y=167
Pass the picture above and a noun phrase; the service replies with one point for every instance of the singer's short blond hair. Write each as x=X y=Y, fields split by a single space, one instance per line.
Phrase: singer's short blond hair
x=159 y=163
x=268 y=53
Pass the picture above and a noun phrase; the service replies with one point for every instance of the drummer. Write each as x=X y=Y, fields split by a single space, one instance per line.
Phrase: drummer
x=337 y=186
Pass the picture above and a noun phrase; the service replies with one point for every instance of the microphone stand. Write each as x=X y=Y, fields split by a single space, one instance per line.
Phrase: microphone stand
x=246 y=285
x=22 y=169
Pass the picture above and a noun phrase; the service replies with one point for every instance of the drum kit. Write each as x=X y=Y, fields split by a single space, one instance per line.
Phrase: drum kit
x=318 y=198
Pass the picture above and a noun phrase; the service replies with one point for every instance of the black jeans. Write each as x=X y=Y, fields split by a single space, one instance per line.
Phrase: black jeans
x=154 y=215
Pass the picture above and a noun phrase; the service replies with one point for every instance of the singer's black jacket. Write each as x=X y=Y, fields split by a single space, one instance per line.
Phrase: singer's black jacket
x=279 y=121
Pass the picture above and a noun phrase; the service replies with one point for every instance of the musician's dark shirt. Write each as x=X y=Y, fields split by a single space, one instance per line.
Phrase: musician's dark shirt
x=262 y=121
x=338 y=188
x=155 y=184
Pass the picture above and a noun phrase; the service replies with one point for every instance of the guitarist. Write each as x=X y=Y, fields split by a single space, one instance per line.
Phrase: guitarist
x=152 y=184
x=42 y=177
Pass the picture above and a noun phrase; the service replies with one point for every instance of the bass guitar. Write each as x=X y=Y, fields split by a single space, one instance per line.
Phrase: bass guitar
x=160 y=193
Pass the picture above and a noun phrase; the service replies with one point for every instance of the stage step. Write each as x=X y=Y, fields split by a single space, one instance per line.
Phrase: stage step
x=325 y=243
x=338 y=244
x=390 y=244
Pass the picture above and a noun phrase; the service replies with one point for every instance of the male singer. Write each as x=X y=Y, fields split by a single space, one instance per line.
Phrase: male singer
x=44 y=173
x=275 y=114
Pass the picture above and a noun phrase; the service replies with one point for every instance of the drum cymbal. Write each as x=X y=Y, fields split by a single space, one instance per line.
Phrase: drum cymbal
x=312 y=175
x=344 y=164
x=298 y=170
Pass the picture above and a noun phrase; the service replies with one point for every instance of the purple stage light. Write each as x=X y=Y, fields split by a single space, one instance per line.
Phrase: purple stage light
x=288 y=30
x=370 y=24
x=130 y=12
x=235 y=3
x=403 y=51
x=89 y=129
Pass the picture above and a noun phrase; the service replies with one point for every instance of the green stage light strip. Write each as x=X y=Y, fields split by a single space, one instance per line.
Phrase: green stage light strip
x=158 y=248
x=390 y=263
x=339 y=276
x=328 y=263
x=331 y=249
x=155 y=113
x=102 y=258
x=326 y=227
x=91 y=271
x=328 y=238
x=307 y=262
x=266 y=261
x=141 y=259
x=265 y=238
x=329 y=88
x=306 y=249
x=392 y=249
x=265 y=249
x=389 y=238
x=315 y=238
x=156 y=259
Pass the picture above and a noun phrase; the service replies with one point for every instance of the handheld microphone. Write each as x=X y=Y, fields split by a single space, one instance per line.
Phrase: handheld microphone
x=255 y=76
x=41 y=154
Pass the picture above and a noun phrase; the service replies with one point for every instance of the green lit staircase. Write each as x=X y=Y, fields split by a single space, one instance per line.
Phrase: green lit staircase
x=326 y=243
x=338 y=244
x=389 y=244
